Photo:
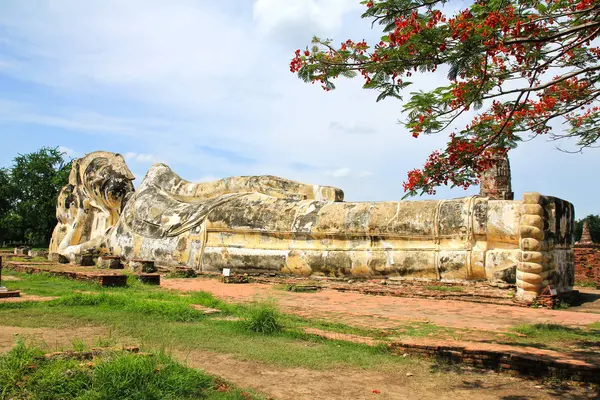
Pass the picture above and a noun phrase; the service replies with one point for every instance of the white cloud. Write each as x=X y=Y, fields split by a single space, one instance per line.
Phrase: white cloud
x=140 y=157
x=111 y=45
x=339 y=173
x=292 y=18
x=160 y=79
x=69 y=152
x=203 y=95
x=352 y=127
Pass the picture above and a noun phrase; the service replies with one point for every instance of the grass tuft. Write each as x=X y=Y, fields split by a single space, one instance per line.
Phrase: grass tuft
x=263 y=318
x=171 y=310
x=554 y=333
x=26 y=374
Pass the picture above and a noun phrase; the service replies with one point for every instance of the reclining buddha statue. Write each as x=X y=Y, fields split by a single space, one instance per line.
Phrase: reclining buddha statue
x=270 y=224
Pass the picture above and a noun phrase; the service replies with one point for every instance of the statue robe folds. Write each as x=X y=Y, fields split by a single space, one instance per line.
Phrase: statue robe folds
x=269 y=224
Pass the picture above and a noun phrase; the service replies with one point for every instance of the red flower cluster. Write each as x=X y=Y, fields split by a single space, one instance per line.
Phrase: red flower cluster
x=515 y=44
x=297 y=62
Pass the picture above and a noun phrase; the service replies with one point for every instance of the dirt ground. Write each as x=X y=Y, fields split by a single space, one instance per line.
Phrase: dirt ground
x=407 y=382
x=387 y=312
x=48 y=338
x=305 y=384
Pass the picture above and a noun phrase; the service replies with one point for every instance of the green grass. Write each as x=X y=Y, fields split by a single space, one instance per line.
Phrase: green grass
x=446 y=288
x=263 y=318
x=158 y=318
x=557 y=333
x=26 y=374
x=587 y=283
x=557 y=337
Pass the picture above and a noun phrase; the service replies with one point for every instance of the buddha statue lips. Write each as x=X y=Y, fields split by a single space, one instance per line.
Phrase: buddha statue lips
x=276 y=225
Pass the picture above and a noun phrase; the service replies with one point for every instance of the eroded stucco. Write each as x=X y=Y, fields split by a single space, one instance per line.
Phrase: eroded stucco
x=270 y=224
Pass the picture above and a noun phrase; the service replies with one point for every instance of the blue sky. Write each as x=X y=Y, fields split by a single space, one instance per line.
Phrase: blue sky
x=204 y=86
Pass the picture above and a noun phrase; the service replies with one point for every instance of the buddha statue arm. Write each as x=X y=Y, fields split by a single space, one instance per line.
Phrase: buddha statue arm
x=161 y=176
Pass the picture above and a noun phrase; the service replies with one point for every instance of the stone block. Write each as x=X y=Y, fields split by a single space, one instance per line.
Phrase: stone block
x=22 y=250
x=37 y=253
x=9 y=293
x=113 y=280
x=149 y=279
x=86 y=260
x=142 y=266
x=109 y=262
x=58 y=258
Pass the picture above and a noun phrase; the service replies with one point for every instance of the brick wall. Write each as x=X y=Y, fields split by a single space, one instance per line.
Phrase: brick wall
x=587 y=262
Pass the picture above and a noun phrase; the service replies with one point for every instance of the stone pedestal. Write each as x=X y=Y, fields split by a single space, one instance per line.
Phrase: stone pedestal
x=109 y=262
x=9 y=293
x=86 y=260
x=37 y=253
x=4 y=292
x=22 y=250
x=149 y=279
x=58 y=258
x=142 y=266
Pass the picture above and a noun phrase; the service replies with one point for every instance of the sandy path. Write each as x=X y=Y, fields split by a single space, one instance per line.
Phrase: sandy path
x=385 y=311
x=306 y=384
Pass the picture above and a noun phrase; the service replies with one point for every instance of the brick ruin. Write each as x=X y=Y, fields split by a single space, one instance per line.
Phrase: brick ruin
x=587 y=258
x=496 y=181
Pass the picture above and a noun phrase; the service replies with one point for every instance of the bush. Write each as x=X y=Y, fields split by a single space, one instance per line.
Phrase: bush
x=263 y=318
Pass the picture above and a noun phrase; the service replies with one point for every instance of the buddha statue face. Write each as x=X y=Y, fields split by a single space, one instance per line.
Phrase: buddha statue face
x=104 y=179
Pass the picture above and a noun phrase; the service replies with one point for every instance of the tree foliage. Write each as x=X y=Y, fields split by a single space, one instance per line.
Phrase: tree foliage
x=594 y=224
x=516 y=64
x=28 y=193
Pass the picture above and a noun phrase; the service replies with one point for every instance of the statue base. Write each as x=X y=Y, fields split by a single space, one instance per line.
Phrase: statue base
x=5 y=293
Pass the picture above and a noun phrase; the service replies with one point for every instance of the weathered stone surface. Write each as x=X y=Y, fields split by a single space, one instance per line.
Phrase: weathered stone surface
x=547 y=227
x=142 y=266
x=586 y=236
x=149 y=278
x=269 y=224
x=37 y=253
x=587 y=258
x=58 y=258
x=109 y=262
x=496 y=181
x=22 y=250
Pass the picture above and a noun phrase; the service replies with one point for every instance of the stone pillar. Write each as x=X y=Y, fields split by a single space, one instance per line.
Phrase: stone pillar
x=496 y=181
x=531 y=269
x=587 y=258
x=586 y=236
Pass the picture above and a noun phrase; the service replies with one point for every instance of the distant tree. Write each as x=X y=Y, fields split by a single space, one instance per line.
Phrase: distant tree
x=30 y=187
x=594 y=223
x=520 y=65
x=6 y=202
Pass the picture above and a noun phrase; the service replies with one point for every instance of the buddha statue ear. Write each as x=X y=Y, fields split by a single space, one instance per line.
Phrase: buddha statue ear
x=122 y=168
